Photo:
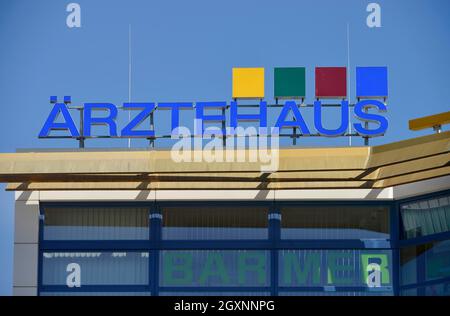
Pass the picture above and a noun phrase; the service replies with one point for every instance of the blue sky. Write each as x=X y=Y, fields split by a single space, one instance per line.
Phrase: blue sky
x=185 y=50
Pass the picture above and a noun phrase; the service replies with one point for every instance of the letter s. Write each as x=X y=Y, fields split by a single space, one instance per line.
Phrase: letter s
x=374 y=118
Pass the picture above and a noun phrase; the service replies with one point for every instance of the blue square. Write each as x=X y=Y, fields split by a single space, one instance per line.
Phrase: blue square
x=371 y=82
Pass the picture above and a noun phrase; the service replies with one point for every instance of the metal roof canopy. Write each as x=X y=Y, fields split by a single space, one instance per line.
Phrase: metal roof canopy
x=343 y=167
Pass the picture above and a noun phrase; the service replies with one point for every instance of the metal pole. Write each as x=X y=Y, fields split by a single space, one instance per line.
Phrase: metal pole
x=129 y=76
x=224 y=136
x=348 y=84
x=81 y=139
x=366 y=126
x=294 y=133
x=437 y=128
x=152 y=127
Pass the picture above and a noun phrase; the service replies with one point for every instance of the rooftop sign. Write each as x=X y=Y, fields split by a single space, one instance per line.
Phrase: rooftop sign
x=247 y=83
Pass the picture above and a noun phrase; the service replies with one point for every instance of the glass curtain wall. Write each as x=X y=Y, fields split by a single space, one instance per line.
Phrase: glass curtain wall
x=425 y=256
x=216 y=248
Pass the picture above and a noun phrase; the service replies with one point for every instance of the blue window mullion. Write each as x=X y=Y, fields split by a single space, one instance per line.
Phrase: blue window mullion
x=395 y=238
x=100 y=245
x=425 y=283
x=332 y=289
x=425 y=239
x=274 y=237
x=247 y=244
x=40 y=251
x=332 y=244
x=96 y=288
x=156 y=224
x=215 y=289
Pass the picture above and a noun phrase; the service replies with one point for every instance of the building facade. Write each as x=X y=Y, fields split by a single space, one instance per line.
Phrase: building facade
x=331 y=221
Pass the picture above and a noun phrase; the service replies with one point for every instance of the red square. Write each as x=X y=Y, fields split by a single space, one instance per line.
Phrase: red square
x=331 y=82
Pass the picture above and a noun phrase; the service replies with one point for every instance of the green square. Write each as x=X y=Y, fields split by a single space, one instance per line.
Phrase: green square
x=289 y=82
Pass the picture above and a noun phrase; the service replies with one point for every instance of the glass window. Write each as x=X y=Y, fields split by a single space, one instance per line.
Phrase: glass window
x=95 y=294
x=369 y=269
x=95 y=268
x=337 y=293
x=335 y=222
x=96 y=223
x=425 y=262
x=214 y=268
x=214 y=293
x=426 y=217
x=409 y=292
x=215 y=222
x=439 y=289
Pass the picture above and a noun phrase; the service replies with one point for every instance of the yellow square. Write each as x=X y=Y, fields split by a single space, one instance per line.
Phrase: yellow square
x=248 y=83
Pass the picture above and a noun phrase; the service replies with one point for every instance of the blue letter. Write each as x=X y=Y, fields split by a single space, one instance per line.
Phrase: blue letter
x=330 y=132
x=261 y=117
x=299 y=122
x=50 y=123
x=176 y=107
x=109 y=120
x=146 y=108
x=199 y=106
x=366 y=117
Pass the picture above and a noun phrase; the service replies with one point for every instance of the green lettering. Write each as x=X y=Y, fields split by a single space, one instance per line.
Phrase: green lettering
x=214 y=259
x=310 y=266
x=382 y=260
x=340 y=273
x=252 y=262
x=177 y=268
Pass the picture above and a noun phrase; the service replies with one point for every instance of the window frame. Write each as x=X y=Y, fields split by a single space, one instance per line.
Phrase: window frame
x=403 y=243
x=154 y=244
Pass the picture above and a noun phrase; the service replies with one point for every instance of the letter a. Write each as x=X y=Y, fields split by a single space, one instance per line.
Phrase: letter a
x=74 y=277
x=74 y=18
x=374 y=18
